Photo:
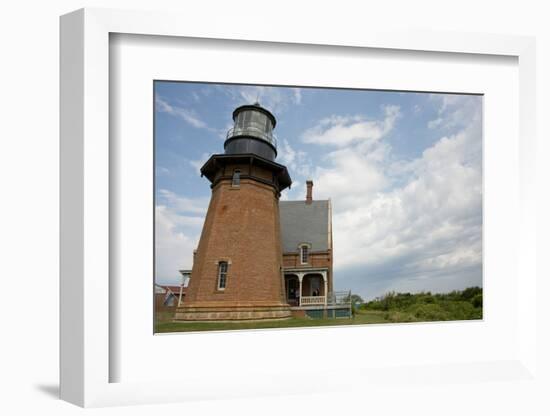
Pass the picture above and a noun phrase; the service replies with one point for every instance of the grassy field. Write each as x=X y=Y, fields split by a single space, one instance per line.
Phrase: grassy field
x=390 y=308
x=361 y=317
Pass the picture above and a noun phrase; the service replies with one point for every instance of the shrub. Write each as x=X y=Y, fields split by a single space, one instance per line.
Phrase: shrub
x=425 y=306
x=429 y=312
x=477 y=301
x=470 y=292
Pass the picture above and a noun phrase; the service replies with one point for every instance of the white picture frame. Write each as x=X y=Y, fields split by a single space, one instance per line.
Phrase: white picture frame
x=86 y=356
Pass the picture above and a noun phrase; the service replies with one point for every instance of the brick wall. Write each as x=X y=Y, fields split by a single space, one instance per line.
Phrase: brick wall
x=316 y=259
x=242 y=228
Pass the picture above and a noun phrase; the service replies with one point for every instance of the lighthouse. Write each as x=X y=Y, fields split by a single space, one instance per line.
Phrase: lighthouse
x=238 y=266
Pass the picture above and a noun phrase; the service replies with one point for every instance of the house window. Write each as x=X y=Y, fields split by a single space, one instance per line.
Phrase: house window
x=222 y=275
x=304 y=254
x=236 y=178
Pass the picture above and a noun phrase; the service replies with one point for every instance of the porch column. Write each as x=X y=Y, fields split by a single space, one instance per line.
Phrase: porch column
x=181 y=291
x=326 y=287
x=300 y=277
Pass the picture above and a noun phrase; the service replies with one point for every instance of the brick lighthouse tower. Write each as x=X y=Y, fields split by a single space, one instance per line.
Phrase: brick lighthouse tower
x=237 y=270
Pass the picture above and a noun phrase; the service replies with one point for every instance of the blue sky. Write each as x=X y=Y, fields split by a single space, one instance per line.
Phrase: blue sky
x=403 y=171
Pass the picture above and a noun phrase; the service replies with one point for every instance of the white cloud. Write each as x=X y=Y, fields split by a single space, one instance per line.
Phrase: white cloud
x=162 y=171
x=188 y=116
x=345 y=130
x=181 y=204
x=174 y=248
x=178 y=223
x=455 y=111
x=439 y=205
x=198 y=164
x=350 y=177
x=435 y=123
x=296 y=161
x=275 y=99
x=417 y=220
x=355 y=171
x=271 y=98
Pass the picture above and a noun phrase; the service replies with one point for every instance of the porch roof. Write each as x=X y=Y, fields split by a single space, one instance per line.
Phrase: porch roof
x=305 y=270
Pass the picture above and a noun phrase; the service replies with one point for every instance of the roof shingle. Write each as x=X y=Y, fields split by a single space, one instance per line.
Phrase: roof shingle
x=305 y=223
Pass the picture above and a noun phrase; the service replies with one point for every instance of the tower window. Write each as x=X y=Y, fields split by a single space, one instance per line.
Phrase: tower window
x=236 y=178
x=304 y=254
x=222 y=275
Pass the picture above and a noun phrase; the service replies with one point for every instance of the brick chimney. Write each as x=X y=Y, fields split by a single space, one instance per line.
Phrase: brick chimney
x=309 y=195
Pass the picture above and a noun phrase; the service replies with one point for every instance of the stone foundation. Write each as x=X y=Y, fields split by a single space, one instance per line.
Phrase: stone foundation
x=236 y=313
x=298 y=313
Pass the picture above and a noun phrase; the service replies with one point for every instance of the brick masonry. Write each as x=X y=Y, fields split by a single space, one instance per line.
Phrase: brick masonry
x=320 y=259
x=241 y=228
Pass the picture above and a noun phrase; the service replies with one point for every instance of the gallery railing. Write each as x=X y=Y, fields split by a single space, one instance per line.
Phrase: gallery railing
x=253 y=131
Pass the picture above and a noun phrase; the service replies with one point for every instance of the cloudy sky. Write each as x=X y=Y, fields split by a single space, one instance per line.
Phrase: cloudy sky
x=403 y=171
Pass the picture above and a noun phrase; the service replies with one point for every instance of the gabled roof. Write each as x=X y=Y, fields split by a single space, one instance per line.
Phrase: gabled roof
x=305 y=223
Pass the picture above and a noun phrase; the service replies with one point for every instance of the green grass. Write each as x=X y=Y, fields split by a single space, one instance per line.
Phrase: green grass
x=362 y=317
x=390 y=308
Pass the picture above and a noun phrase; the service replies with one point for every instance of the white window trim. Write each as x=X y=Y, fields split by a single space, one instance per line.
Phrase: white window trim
x=220 y=274
x=301 y=253
x=235 y=172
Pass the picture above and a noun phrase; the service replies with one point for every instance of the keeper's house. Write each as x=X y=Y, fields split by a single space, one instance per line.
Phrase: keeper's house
x=258 y=257
x=306 y=235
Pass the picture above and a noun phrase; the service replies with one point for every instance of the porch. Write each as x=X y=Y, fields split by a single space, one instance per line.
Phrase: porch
x=308 y=290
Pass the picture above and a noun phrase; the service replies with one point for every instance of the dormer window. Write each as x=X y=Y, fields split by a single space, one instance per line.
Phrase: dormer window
x=304 y=254
x=236 y=178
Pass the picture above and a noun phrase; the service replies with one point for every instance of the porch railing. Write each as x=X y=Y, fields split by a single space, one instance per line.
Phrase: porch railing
x=312 y=300
x=342 y=297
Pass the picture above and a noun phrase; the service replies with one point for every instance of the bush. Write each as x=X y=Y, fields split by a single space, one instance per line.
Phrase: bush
x=477 y=301
x=425 y=306
x=429 y=312
x=470 y=292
